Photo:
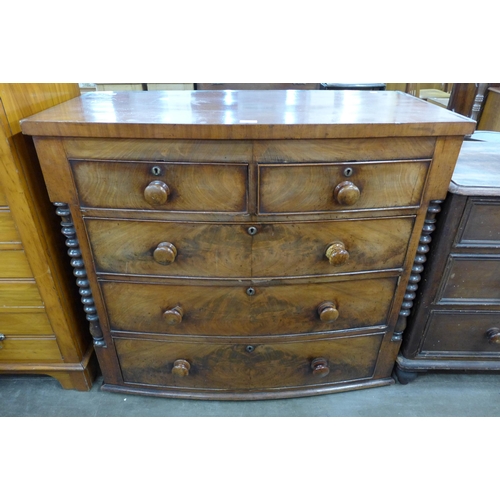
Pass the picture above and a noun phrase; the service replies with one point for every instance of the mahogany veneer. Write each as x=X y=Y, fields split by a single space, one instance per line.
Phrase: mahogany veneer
x=244 y=245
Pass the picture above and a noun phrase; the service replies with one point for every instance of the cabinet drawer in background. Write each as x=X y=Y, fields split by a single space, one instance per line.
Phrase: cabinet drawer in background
x=244 y=250
x=481 y=224
x=462 y=332
x=264 y=365
x=190 y=187
x=248 y=310
x=296 y=188
x=471 y=280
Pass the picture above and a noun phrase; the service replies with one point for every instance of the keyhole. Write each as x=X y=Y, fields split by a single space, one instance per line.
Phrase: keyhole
x=250 y=291
x=249 y=348
x=156 y=170
x=348 y=172
x=252 y=230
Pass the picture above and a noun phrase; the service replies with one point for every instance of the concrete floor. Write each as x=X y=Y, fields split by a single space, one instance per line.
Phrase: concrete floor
x=430 y=395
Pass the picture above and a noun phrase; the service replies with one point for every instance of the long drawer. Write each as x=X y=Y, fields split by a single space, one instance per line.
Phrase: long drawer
x=8 y=230
x=14 y=264
x=19 y=294
x=29 y=323
x=245 y=250
x=294 y=188
x=184 y=187
x=27 y=349
x=248 y=309
x=229 y=366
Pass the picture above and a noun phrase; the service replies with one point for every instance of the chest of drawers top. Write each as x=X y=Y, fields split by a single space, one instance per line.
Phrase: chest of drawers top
x=268 y=114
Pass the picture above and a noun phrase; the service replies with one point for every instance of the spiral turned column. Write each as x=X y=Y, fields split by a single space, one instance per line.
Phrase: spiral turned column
x=68 y=230
x=418 y=267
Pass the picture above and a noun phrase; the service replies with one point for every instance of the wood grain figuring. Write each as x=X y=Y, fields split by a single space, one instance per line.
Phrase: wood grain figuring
x=227 y=250
x=230 y=310
x=310 y=188
x=19 y=294
x=193 y=187
x=311 y=114
x=215 y=365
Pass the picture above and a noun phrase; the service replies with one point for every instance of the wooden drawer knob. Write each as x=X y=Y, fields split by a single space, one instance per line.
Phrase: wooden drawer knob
x=156 y=193
x=165 y=253
x=328 y=312
x=319 y=367
x=181 y=368
x=173 y=316
x=347 y=193
x=337 y=254
x=493 y=335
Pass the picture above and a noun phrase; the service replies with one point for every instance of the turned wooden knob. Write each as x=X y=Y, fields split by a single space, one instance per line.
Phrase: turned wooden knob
x=156 y=193
x=493 y=335
x=165 y=253
x=328 y=312
x=347 y=193
x=319 y=367
x=337 y=254
x=173 y=316
x=181 y=368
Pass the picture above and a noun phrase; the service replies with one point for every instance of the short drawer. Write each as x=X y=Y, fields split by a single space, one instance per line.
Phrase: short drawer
x=8 y=230
x=471 y=280
x=248 y=310
x=19 y=294
x=19 y=349
x=295 y=188
x=463 y=332
x=480 y=225
x=166 y=186
x=14 y=264
x=264 y=365
x=244 y=250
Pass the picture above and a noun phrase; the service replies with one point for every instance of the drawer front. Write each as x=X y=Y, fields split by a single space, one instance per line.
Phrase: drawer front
x=224 y=366
x=3 y=198
x=190 y=187
x=25 y=323
x=340 y=187
x=19 y=294
x=14 y=264
x=8 y=230
x=229 y=250
x=147 y=248
x=230 y=310
x=15 y=349
x=481 y=224
x=471 y=280
x=473 y=332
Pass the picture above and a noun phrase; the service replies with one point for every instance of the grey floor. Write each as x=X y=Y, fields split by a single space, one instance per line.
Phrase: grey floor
x=430 y=395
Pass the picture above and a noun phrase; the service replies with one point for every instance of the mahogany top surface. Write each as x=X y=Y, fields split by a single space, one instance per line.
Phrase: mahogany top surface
x=248 y=114
x=477 y=171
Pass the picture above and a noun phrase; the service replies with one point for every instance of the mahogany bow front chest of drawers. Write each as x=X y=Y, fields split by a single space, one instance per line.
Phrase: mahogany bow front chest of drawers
x=245 y=245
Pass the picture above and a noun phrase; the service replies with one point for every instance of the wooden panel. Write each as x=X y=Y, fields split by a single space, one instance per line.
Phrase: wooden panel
x=465 y=332
x=19 y=294
x=8 y=230
x=193 y=187
x=228 y=250
x=310 y=188
x=3 y=198
x=490 y=118
x=257 y=86
x=482 y=224
x=26 y=350
x=471 y=280
x=229 y=310
x=25 y=323
x=13 y=264
x=218 y=365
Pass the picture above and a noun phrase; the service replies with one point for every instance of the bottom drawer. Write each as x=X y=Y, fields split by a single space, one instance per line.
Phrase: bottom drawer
x=462 y=332
x=222 y=365
x=19 y=349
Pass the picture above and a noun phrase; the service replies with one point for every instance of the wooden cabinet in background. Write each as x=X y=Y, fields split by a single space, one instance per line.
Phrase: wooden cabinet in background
x=42 y=327
x=455 y=324
x=247 y=248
